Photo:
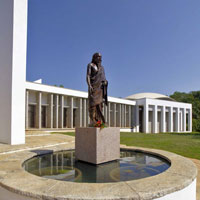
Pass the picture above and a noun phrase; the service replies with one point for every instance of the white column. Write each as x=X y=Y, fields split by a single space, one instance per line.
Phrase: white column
x=84 y=112
x=114 y=114
x=13 y=38
x=190 y=120
x=137 y=119
x=111 y=115
x=122 y=114
x=61 y=111
x=27 y=97
x=184 y=119
x=155 y=119
x=170 y=119
x=87 y=113
x=108 y=114
x=39 y=110
x=119 y=115
x=181 y=120
x=56 y=111
x=125 y=125
x=79 y=117
x=70 y=112
x=133 y=117
x=129 y=116
x=146 y=118
x=50 y=111
x=177 y=120
x=163 y=124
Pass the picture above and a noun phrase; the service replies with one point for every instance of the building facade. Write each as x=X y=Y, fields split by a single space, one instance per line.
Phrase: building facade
x=50 y=107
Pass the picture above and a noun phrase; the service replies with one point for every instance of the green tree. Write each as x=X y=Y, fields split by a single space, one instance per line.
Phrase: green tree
x=193 y=98
x=62 y=86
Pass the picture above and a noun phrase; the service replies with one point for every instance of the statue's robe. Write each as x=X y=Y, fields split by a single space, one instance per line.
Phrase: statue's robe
x=97 y=76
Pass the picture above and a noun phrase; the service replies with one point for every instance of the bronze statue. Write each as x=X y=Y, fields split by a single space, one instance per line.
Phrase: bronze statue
x=97 y=89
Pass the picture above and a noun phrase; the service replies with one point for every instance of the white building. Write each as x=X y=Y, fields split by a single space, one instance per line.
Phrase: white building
x=50 y=107
x=53 y=107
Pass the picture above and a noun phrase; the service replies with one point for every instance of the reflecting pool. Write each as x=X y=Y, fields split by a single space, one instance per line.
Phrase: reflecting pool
x=62 y=166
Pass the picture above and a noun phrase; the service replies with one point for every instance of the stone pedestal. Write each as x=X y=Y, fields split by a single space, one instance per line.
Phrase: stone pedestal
x=95 y=145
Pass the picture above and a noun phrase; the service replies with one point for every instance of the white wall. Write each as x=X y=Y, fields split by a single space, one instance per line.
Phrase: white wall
x=44 y=98
x=13 y=33
x=6 y=28
x=32 y=97
x=188 y=193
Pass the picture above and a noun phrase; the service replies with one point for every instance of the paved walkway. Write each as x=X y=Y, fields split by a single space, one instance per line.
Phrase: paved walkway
x=42 y=140
x=47 y=131
x=38 y=141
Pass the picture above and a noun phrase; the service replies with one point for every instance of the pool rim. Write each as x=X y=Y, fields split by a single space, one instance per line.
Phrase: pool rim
x=162 y=158
x=179 y=175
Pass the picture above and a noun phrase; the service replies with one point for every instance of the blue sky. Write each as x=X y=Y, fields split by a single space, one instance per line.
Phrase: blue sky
x=147 y=45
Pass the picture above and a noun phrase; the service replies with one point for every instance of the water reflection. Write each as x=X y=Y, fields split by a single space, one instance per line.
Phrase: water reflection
x=62 y=166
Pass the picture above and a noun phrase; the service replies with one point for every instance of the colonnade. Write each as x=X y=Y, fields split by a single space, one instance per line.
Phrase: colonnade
x=165 y=118
x=59 y=108
x=47 y=110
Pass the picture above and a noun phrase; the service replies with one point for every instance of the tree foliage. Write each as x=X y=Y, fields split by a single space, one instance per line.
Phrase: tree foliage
x=193 y=98
x=62 y=86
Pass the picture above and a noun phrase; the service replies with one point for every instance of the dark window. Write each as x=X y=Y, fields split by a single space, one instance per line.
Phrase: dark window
x=44 y=116
x=65 y=118
x=74 y=117
x=31 y=116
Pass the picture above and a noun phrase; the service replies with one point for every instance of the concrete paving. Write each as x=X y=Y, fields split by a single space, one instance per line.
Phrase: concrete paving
x=54 y=142
x=47 y=131
x=38 y=141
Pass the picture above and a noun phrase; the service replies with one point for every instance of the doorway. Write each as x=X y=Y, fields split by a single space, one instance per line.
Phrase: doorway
x=65 y=118
x=74 y=117
x=44 y=117
x=31 y=116
x=141 y=119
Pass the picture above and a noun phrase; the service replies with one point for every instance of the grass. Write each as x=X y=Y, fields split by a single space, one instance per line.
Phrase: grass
x=185 y=144
x=65 y=133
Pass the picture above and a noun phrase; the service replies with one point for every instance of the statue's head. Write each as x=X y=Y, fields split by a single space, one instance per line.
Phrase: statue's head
x=96 y=58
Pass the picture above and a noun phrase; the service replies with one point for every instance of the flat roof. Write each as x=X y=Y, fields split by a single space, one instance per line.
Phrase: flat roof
x=70 y=92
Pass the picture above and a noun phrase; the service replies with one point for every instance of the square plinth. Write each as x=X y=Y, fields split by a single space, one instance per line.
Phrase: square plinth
x=95 y=145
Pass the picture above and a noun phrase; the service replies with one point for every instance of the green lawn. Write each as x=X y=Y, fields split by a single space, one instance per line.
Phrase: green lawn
x=187 y=145
x=65 y=133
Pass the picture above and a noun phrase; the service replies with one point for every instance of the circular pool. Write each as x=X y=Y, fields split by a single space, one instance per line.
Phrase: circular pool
x=132 y=165
x=177 y=182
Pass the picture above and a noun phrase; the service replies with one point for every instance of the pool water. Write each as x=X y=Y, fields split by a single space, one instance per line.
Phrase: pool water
x=62 y=166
